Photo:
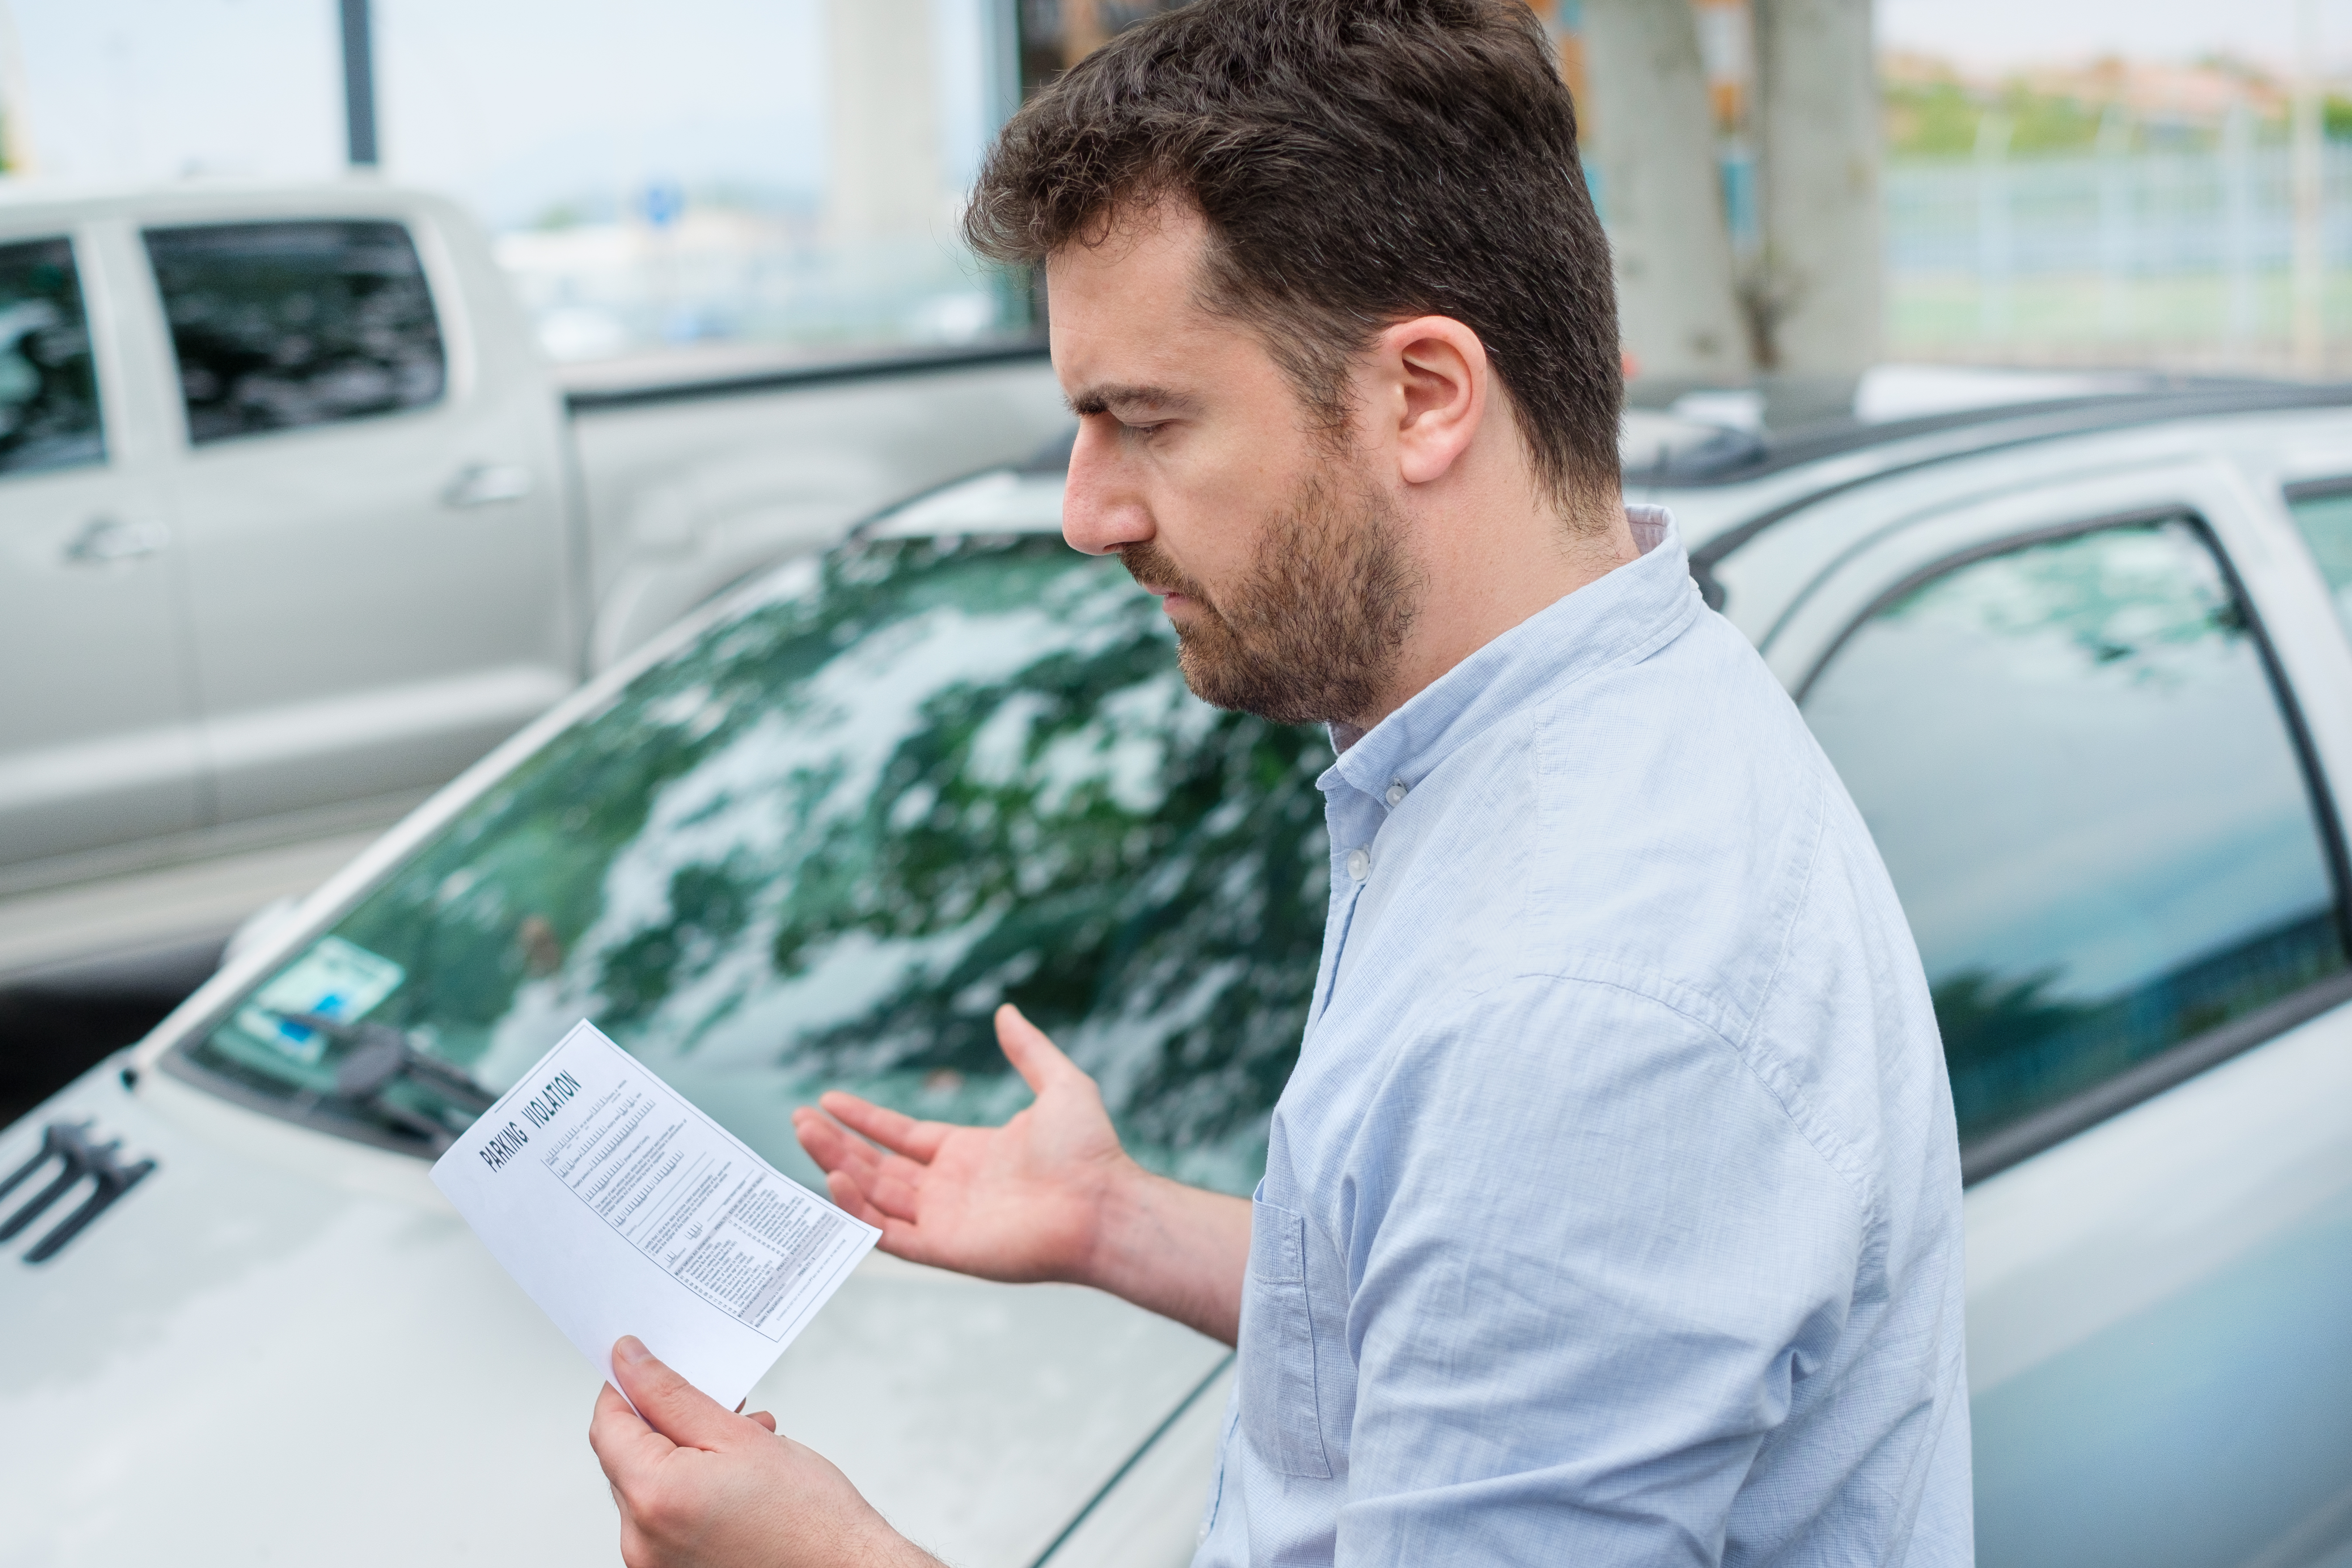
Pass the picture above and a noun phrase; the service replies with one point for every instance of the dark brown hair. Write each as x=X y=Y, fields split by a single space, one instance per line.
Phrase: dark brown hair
x=1359 y=163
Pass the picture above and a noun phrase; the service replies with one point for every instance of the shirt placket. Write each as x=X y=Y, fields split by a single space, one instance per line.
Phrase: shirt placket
x=1351 y=821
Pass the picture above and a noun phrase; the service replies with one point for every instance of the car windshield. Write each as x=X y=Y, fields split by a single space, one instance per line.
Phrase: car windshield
x=817 y=847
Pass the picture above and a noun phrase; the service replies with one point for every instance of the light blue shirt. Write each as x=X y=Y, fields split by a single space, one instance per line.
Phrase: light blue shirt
x=1612 y=1213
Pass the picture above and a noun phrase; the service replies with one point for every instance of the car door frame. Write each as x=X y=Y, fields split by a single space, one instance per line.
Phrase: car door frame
x=2242 y=1120
x=2270 y=574
x=133 y=407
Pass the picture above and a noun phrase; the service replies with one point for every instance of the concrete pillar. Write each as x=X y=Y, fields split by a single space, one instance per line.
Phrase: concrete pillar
x=884 y=182
x=1822 y=293
x=1652 y=149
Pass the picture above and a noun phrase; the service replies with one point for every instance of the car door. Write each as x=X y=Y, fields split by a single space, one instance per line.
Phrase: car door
x=98 y=741
x=371 y=527
x=2067 y=724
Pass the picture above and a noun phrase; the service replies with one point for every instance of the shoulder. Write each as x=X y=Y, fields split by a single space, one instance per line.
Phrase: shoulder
x=1666 y=854
x=1582 y=1113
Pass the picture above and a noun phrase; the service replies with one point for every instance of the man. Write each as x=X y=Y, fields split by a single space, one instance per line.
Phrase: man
x=1612 y=1215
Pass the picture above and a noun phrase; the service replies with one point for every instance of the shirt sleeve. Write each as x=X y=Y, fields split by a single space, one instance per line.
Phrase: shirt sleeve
x=1590 y=1256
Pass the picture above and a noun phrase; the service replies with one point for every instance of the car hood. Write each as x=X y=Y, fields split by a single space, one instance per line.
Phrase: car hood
x=281 y=1348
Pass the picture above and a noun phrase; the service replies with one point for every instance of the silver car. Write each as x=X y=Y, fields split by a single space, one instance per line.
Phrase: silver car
x=2083 y=666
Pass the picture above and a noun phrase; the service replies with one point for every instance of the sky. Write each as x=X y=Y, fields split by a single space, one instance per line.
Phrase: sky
x=516 y=105
x=521 y=105
x=1996 y=34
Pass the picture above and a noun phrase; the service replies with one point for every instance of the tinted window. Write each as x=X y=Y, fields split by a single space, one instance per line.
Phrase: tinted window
x=48 y=382
x=821 y=846
x=279 y=325
x=2072 y=759
x=2327 y=524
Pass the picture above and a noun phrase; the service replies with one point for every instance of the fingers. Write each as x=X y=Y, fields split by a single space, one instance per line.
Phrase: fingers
x=851 y=1199
x=858 y=1176
x=763 y=1418
x=626 y=1448
x=900 y=1134
x=671 y=1406
x=833 y=1146
x=902 y=1236
x=1036 y=1059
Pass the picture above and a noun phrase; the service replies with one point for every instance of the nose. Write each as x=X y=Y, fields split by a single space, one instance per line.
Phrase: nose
x=1101 y=509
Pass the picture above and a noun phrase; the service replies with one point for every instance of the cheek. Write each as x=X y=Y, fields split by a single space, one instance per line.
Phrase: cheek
x=1213 y=518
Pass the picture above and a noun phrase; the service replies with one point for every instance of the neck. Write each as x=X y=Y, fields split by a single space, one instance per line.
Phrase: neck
x=1490 y=558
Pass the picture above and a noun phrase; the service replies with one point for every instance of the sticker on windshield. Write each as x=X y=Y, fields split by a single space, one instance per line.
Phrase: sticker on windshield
x=333 y=980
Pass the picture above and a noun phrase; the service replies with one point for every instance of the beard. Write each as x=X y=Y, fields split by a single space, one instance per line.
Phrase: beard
x=1313 y=633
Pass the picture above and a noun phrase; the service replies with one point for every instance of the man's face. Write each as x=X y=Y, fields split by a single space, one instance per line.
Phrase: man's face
x=1281 y=562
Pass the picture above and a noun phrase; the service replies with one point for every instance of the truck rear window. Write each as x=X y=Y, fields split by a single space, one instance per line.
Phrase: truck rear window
x=282 y=325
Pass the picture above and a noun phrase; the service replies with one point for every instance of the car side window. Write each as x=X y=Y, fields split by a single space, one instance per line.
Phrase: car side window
x=2074 y=761
x=2323 y=514
x=282 y=325
x=48 y=377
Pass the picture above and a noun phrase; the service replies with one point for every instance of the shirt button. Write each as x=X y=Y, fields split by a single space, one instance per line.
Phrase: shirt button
x=1396 y=791
x=1360 y=864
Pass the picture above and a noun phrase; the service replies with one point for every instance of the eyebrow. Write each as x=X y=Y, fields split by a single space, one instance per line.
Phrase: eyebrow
x=1117 y=399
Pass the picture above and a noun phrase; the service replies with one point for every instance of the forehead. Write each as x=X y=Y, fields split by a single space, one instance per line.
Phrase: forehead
x=1124 y=308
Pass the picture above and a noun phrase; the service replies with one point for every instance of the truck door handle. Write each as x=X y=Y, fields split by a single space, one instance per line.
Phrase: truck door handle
x=104 y=540
x=485 y=484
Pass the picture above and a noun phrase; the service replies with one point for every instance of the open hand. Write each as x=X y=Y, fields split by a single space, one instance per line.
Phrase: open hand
x=1023 y=1202
x=699 y=1487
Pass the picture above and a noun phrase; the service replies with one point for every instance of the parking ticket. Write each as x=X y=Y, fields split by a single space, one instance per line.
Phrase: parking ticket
x=621 y=1209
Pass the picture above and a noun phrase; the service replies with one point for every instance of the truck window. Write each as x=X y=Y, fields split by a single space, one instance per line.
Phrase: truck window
x=282 y=325
x=49 y=380
x=2323 y=514
x=2088 y=796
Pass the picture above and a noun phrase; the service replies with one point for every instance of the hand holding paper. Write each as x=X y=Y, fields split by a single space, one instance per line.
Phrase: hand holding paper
x=698 y=1485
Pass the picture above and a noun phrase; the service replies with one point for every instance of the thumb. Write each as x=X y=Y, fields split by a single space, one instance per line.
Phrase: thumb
x=671 y=1405
x=1033 y=1056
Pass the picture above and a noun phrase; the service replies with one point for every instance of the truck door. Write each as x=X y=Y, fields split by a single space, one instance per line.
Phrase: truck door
x=371 y=514
x=98 y=741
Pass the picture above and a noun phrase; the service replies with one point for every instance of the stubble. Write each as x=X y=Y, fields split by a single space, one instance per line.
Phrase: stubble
x=1314 y=633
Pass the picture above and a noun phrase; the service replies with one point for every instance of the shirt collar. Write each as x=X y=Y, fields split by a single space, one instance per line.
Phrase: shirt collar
x=1638 y=606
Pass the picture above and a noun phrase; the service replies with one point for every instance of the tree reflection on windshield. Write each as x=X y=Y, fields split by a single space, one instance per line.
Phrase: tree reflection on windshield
x=820 y=846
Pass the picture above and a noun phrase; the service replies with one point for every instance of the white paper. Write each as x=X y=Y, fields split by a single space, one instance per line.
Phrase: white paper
x=621 y=1209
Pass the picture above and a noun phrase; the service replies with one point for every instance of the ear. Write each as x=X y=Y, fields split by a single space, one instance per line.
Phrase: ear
x=1439 y=382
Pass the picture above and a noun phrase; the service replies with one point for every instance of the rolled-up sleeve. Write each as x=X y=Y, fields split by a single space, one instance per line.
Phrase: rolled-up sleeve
x=1593 y=1258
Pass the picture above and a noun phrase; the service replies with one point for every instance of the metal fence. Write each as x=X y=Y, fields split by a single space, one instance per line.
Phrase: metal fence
x=2120 y=257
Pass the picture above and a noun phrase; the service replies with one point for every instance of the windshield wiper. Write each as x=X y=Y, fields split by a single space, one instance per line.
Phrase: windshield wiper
x=381 y=1056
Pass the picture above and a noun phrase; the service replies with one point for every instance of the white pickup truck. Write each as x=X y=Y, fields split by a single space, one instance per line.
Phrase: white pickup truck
x=295 y=523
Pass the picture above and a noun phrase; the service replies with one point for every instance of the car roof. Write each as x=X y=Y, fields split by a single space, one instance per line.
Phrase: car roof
x=1736 y=482
x=24 y=203
x=1990 y=423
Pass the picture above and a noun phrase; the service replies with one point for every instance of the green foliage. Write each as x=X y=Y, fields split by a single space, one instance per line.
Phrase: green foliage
x=1944 y=118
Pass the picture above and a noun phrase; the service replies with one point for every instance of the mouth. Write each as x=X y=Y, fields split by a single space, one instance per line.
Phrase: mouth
x=1171 y=597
